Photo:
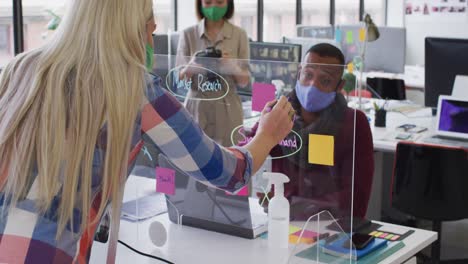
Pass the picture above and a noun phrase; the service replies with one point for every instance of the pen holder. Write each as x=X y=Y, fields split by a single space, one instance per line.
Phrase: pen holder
x=380 y=118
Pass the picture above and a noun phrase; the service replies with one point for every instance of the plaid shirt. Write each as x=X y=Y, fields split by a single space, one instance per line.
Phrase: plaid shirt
x=29 y=237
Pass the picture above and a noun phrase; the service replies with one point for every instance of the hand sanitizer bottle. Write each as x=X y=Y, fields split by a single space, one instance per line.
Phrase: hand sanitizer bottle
x=278 y=212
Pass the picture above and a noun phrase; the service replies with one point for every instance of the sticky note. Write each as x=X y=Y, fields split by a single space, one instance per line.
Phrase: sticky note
x=373 y=233
x=349 y=37
x=293 y=239
x=165 y=181
x=350 y=67
x=395 y=238
x=321 y=149
x=242 y=192
x=261 y=94
x=338 y=35
x=307 y=234
x=378 y=234
x=383 y=235
x=389 y=236
x=362 y=34
x=294 y=229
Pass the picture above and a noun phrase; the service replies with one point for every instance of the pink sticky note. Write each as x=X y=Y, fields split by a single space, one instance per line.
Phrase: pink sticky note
x=165 y=181
x=262 y=93
x=243 y=192
x=307 y=234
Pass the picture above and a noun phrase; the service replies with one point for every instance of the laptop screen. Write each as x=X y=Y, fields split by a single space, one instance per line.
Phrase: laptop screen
x=453 y=117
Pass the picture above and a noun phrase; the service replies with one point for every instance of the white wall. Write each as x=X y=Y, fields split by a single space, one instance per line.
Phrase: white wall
x=418 y=29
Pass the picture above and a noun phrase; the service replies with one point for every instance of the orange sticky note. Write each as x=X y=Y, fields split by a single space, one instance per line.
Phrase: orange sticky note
x=294 y=239
x=321 y=149
x=362 y=34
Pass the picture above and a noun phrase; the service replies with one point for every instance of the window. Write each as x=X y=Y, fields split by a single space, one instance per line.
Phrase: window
x=6 y=32
x=37 y=16
x=346 y=12
x=315 y=12
x=376 y=9
x=279 y=19
x=245 y=16
x=163 y=12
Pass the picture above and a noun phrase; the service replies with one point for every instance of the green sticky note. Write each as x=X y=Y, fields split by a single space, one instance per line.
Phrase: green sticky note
x=321 y=150
x=349 y=37
x=293 y=229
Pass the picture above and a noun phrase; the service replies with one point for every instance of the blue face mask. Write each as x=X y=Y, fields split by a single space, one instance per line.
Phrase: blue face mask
x=312 y=99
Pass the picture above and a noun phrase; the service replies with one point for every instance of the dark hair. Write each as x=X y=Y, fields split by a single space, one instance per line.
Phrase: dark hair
x=228 y=15
x=327 y=50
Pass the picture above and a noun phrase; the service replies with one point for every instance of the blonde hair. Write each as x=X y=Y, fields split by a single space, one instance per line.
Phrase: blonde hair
x=55 y=101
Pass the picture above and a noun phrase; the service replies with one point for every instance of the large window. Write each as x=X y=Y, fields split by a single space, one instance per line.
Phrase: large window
x=6 y=32
x=163 y=11
x=315 y=12
x=376 y=9
x=279 y=19
x=245 y=16
x=37 y=16
x=346 y=12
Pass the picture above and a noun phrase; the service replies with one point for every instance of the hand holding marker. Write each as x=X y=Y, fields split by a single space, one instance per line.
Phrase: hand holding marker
x=291 y=113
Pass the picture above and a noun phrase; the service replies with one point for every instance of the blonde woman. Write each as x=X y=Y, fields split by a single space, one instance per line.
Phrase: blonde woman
x=72 y=115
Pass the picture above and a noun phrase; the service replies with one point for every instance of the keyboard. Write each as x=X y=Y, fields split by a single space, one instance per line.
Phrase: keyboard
x=447 y=141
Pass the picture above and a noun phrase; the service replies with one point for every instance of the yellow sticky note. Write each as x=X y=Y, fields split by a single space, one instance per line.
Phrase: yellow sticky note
x=362 y=34
x=293 y=239
x=321 y=149
x=350 y=67
x=293 y=229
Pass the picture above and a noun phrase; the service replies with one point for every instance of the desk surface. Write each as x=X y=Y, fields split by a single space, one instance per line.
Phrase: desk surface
x=193 y=245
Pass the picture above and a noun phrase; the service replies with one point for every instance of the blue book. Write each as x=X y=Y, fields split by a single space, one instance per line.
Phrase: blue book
x=336 y=248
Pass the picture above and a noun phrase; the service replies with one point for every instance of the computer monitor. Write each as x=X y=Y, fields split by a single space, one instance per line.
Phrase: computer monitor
x=307 y=43
x=445 y=59
x=315 y=31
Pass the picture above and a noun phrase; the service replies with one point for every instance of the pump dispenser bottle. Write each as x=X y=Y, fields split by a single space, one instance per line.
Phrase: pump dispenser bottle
x=278 y=212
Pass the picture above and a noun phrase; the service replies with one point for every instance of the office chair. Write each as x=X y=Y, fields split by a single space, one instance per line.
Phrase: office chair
x=387 y=88
x=429 y=182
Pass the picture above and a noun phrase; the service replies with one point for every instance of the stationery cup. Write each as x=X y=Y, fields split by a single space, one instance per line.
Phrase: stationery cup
x=380 y=118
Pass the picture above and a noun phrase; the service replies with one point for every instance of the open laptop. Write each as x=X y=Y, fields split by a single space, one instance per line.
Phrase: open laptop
x=212 y=209
x=452 y=122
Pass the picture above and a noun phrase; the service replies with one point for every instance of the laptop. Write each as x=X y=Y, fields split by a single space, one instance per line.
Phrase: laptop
x=198 y=205
x=452 y=122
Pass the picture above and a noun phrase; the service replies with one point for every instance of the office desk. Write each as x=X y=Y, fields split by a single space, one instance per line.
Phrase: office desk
x=413 y=76
x=192 y=245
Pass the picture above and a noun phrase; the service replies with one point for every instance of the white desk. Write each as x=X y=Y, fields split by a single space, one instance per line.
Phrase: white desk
x=413 y=76
x=193 y=245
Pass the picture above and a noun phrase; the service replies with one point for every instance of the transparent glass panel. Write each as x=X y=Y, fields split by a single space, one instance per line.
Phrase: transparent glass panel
x=346 y=12
x=315 y=12
x=245 y=16
x=6 y=32
x=40 y=19
x=323 y=240
x=317 y=156
x=279 y=19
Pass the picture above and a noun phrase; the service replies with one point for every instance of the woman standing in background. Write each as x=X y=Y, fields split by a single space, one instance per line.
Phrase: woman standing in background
x=217 y=118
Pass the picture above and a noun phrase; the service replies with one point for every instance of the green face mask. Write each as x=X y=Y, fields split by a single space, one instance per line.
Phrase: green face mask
x=214 y=13
x=149 y=57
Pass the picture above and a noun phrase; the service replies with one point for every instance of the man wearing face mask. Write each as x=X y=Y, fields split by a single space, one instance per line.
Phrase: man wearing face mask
x=322 y=109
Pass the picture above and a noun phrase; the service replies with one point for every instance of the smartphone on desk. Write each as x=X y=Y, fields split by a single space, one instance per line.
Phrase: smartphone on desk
x=360 y=241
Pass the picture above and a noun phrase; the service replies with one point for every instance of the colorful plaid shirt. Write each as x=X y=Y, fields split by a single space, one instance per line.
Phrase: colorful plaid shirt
x=29 y=237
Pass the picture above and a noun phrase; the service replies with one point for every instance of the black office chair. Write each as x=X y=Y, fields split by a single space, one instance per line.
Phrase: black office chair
x=430 y=182
x=387 y=88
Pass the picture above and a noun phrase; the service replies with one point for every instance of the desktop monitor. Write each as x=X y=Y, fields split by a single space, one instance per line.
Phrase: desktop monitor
x=307 y=43
x=444 y=59
x=326 y=32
